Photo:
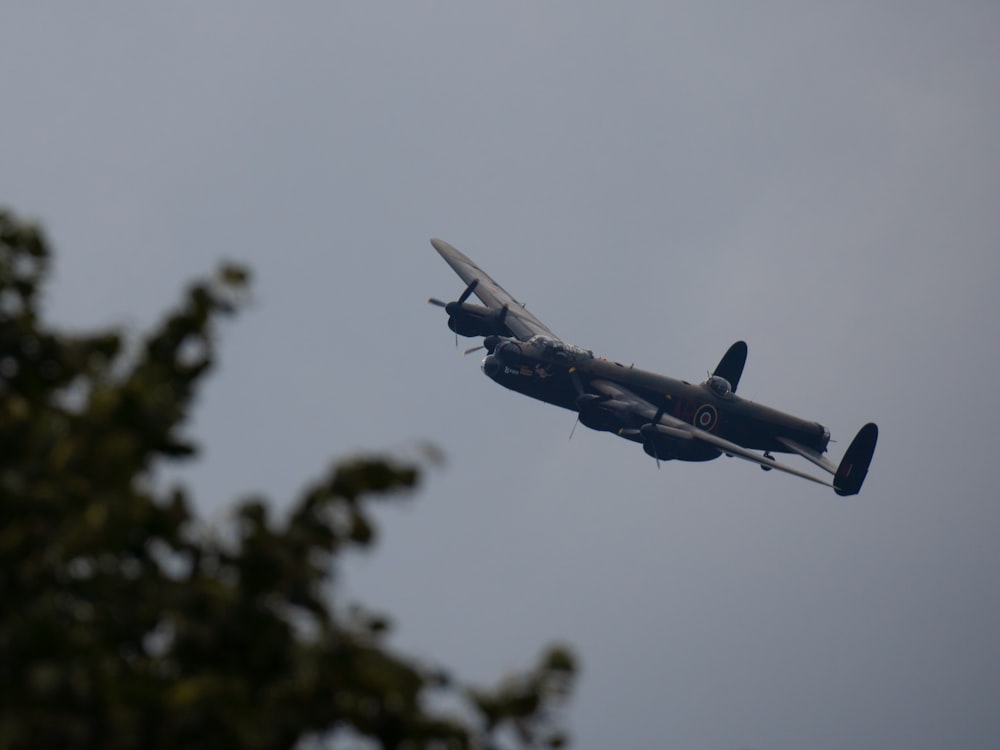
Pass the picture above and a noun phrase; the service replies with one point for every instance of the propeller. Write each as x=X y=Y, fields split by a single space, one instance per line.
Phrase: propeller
x=451 y=307
x=648 y=432
x=490 y=343
x=439 y=303
x=461 y=299
x=468 y=291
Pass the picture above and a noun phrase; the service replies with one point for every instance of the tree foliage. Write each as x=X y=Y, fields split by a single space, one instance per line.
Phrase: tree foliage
x=125 y=622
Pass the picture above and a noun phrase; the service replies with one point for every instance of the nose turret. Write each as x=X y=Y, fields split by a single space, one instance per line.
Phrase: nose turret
x=491 y=366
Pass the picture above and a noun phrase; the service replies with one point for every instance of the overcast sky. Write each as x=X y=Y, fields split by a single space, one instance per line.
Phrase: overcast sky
x=656 y=180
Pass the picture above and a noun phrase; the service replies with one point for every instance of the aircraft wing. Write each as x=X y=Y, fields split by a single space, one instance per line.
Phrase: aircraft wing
x=519 y=321
x=678 y=428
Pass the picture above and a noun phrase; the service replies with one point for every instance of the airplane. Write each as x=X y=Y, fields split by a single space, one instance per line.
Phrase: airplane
x=672 y=419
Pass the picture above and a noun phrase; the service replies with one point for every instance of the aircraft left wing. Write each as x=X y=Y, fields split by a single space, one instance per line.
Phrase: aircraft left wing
x=678 y=428
x=521 y=323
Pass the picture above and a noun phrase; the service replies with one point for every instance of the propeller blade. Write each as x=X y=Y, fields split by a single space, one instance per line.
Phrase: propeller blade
x=652 y=442
x=474 y=349
x=468 y=290
x=435 y=301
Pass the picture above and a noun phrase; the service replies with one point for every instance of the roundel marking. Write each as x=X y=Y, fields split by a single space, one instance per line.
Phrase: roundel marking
x=706 y=417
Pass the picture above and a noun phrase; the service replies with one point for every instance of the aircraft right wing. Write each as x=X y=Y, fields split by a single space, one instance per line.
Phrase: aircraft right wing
x=521 y=323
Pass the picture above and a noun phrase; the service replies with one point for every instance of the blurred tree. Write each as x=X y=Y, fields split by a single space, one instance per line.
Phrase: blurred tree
x=126 y=623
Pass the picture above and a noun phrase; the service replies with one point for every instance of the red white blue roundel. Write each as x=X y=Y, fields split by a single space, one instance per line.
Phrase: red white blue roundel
x=706 y=417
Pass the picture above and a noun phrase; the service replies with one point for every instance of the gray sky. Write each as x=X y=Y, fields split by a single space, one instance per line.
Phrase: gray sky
x=655 y=181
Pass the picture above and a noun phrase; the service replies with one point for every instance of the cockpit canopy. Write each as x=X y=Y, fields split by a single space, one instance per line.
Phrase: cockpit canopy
x=559 y=350
x=720 y=386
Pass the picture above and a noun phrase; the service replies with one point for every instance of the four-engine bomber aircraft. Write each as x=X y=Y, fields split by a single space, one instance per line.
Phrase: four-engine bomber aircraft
x=671 y=419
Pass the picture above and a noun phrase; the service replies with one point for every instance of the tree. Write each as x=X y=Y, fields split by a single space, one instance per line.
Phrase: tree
x=125 y=622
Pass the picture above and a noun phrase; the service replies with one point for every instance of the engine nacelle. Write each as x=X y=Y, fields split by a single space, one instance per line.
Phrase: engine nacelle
x=491 y=366
x=665 y=448
x=476 y=320
x=606 y=415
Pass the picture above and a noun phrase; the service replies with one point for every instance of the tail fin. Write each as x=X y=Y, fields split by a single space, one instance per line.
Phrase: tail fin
x=731 y=365
x=854 y=466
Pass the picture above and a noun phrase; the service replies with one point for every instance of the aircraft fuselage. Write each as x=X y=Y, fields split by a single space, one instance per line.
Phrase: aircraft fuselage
x=548 y=374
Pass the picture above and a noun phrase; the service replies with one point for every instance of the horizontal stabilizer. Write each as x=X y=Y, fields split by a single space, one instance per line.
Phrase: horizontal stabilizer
x=854 y=466
x=809 y=454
